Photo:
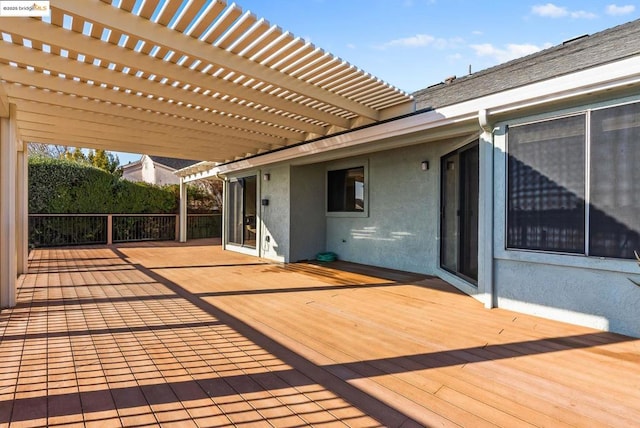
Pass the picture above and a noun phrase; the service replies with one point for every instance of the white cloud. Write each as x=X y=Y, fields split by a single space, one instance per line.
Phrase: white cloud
x=421 y=40
x=512 y=51
x=351 y=46
x=551 y=10
x=581 y=14
x=615 y=10
x=414 y=41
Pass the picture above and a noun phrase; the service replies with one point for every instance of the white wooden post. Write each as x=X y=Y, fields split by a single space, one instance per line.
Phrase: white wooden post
x=22 y=205
x=183 y=210
x=8 y=268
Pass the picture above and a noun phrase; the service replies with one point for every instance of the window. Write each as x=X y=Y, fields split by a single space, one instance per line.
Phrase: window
x=548 y=205
x=614 y=229
x=345 y=190
x=546 y=185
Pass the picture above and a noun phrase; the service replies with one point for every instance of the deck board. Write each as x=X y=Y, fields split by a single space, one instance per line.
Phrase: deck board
x=188 y=334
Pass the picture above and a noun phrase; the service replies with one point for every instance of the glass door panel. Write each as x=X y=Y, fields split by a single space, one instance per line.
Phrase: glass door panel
x=449 y=212
x=234 y=223
x=250 y=211
x=459 y=212
x=242 y=200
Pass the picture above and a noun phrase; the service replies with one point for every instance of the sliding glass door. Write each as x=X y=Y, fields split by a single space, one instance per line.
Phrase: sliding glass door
x=459 y=212
x=242 y=211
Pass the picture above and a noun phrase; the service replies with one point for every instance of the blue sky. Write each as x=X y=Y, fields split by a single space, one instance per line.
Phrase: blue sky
x=412 y=44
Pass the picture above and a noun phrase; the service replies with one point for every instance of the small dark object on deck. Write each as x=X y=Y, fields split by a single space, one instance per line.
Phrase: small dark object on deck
x=326 y=257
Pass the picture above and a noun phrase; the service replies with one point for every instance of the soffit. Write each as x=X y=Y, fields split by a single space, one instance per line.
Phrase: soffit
x=194 y=79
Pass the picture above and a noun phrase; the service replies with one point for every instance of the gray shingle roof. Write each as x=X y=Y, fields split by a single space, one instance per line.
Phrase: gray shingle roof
x=578 y=54
x=173 y=162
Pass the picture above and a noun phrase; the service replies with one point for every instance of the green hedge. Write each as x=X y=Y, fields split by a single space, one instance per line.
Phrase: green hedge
x=58 y=186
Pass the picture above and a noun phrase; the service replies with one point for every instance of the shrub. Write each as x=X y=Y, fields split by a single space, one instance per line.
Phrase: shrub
x=59 y=186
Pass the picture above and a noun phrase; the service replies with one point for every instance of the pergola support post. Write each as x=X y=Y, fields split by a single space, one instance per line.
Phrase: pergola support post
x=8 y=247
x=22 y=208
x=183 y=210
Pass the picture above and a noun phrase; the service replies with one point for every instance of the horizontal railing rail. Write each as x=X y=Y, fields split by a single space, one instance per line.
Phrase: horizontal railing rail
x=52 y=230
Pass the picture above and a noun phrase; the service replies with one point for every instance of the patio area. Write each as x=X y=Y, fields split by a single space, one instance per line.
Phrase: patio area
x=189 y=335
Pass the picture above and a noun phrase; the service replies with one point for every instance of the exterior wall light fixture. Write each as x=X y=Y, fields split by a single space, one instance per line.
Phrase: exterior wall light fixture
x=424 y=165
x=266 y=176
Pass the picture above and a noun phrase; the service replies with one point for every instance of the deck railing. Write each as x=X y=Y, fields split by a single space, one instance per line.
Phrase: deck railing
x=52 y=230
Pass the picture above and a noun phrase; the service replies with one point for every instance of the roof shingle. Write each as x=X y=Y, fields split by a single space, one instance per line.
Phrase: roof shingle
x=574 y=55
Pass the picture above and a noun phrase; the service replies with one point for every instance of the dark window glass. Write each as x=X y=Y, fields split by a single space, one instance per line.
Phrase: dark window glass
x=614 y=211
x=545 y=195
x=345 y=190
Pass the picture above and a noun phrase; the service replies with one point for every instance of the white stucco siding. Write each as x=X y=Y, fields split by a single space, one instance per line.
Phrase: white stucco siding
x=154 y=173
x=148 y=170
x=132 y=172
x=165 y=176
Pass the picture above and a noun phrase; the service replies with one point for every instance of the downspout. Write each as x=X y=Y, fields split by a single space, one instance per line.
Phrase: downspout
x=487 y=194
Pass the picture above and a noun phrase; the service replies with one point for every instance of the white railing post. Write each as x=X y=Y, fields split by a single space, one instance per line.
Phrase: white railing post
x=183 y=210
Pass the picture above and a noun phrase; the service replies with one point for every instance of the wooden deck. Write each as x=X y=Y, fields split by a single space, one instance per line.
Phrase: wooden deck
x=188 y=335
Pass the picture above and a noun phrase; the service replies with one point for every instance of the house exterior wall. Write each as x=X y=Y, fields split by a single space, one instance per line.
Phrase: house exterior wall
x=308 y=220
x=157 y=174
x=401 y=228
x=591 y=291
x=132 y=172
x=274 y=217
x=148 y=172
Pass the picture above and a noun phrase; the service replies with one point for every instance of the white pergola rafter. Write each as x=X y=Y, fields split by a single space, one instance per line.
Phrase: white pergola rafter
x=196 y=79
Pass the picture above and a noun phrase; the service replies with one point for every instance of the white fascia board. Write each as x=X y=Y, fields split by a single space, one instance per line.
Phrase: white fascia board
x=597 y=79
x=408 y=125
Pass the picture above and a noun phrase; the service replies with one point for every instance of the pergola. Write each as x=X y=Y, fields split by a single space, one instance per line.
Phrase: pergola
x=195 y=79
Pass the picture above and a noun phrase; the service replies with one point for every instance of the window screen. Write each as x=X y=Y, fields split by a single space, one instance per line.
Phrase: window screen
x=546 y=185
x=614 y=227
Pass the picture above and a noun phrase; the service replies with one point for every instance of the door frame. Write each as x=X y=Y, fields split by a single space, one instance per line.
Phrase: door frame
x=460 y=227
x=232 y=246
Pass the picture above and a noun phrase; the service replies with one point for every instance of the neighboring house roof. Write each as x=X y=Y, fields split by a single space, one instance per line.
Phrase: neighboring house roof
x=173 y=163
x=573 y=55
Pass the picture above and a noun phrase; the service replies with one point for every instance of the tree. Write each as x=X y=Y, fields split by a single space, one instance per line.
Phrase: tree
x=46 y=150
x=105 y=161
x=214 y=188
x=99 y=158
x=77 y=155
